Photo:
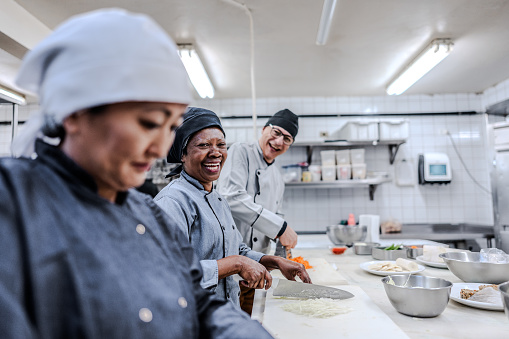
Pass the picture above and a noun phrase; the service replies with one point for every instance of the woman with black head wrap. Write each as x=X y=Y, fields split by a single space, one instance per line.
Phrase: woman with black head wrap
x=205 y=217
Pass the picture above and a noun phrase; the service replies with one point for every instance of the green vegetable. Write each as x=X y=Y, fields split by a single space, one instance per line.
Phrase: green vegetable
x=393 y=247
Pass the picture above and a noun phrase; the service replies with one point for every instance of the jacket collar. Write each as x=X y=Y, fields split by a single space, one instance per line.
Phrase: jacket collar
x=70 y=171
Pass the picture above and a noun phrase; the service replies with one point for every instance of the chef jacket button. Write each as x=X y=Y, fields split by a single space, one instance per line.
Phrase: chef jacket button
x=255 y=239
x=228 y=295
x=239 y=294
x=182 y=302
x=233 y=227
x=220 y=199
x=145 y=315
x=140 y=229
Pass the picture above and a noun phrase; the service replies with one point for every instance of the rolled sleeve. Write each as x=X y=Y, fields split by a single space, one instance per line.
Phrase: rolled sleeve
x=210 y=274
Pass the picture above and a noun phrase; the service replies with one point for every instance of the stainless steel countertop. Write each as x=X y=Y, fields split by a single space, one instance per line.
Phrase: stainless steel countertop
x=447 y=232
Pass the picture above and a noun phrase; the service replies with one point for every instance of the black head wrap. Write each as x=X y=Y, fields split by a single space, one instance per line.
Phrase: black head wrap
x=195 y=119
x=285 y=119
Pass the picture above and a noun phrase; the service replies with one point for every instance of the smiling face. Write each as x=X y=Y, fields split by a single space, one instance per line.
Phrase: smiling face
x=118 y=145
x=271 y=146
x=205 y=155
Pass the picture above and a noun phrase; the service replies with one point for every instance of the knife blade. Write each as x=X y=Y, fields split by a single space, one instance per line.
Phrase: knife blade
x=295 y=289
x=283 y=251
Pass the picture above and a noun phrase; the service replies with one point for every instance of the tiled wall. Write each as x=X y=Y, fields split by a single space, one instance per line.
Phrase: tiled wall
x=313 y=209
x=309 y=209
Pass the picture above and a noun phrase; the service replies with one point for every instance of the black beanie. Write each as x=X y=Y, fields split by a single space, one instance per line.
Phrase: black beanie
x=195 y=119
x=285 y=119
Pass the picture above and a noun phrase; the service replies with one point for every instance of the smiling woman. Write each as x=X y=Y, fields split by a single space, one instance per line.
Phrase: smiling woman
x=201 y=212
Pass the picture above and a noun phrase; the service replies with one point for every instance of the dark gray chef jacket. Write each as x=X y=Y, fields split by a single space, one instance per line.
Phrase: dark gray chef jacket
x=74 y=265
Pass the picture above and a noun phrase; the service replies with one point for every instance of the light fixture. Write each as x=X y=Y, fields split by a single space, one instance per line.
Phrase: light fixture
x=196 y=71
x=325 y=21
x=427 y=59
x=12 y=97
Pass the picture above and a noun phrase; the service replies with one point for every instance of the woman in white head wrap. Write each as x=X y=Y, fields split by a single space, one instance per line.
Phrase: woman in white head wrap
x=83 y=254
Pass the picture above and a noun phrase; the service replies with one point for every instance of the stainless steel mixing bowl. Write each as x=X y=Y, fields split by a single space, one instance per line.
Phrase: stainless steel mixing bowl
x=421 y=296
x=504 y=289
x=346 y=234
x=468 y=267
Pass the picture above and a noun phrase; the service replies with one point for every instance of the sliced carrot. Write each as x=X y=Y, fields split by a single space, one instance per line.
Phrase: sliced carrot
x=301 y=260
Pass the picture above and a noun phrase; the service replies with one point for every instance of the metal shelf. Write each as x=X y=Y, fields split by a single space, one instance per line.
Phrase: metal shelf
x=371 y=183
x=393 y=145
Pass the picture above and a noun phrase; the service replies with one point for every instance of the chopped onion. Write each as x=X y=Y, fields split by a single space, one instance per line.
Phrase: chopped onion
x=316 y=308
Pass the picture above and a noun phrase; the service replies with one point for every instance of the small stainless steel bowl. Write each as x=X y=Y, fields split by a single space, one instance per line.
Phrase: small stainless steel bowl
x=364 y=248
x=380 y=253
x=346 y=234
x=420 y=296
x=414 y=252
x=504 y=289
x=468 y=267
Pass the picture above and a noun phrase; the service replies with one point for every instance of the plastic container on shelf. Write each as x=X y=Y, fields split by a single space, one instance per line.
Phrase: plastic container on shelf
x=328 y=173
x=358 y=171
x=357 y=156
x=292 y=173
x=316 y=172
x=344 y=172
x=343 y=156
x=396 y=129
x=357 y=130
x=328 y=158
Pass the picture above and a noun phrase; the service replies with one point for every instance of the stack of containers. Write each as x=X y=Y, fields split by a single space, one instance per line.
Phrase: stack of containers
x=344 y=168
x=328 y=165
x=358 y=164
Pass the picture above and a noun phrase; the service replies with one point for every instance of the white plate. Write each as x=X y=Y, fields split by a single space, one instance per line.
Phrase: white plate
x=365 y=266
x=431 y=263
x=455 y=295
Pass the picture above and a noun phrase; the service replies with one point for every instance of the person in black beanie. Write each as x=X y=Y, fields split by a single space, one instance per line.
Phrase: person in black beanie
x=254 y=188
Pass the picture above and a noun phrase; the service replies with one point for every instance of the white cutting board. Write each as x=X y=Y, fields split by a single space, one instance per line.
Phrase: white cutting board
x=365 y=320
x=322 y=273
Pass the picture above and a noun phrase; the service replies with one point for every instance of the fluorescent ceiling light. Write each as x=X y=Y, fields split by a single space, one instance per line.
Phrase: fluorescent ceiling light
x=196 y=71
x=325 y=21
x=429 y=58
x=12 y=97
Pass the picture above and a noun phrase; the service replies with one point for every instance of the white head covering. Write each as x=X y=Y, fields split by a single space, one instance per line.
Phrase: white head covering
x=102 y=57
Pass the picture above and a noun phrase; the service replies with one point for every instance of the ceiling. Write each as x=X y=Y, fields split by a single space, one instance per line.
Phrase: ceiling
x=369 y=42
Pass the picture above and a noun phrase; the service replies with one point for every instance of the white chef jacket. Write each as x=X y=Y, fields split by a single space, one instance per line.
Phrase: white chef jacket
x=254 y=191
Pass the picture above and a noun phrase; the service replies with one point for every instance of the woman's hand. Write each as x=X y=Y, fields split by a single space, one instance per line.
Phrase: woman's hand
x=254 y=274
x=289 y=269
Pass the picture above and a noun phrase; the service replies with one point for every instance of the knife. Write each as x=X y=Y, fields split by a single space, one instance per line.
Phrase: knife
x=295 y=289
x=283 y=251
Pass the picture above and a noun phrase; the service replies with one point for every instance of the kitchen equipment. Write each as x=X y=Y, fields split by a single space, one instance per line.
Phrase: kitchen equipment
x=346 y=234
x=468 y=267
x=357 y=155
x=353 y=324
x=504 y=289
x=372 y=222
x=295 y=289
x=329 y=173
x=420 y=297
x=328 y=158
x=414 y=251
x=364 y=248
x=380 y=253
x=404 y=172
x=283 y=251
x=343 y=157
x=434 y=168
x=368 y=267
x=292 y=173
x=359 y=171
x=316 y=172
x=456 y=296
x=321 y=273
x=395 y=129
x=344 y=172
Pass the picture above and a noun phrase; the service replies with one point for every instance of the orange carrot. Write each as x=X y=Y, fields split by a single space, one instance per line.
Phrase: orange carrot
x=301 y=260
